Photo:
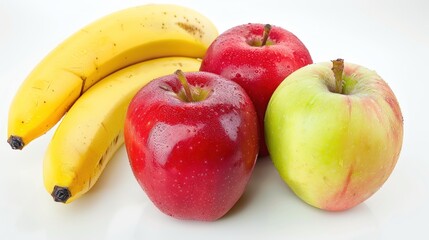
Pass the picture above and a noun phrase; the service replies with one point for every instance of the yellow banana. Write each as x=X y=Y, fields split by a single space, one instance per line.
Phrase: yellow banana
x=92 y=130
x=104 y=46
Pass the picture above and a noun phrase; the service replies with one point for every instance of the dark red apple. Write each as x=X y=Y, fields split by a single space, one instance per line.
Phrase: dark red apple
x=192 y=144
x=258 y=57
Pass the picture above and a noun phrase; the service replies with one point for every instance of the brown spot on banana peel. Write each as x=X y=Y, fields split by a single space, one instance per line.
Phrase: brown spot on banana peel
x=82 y=89
x=191 y=29
x=101 y=162
x=115 y=141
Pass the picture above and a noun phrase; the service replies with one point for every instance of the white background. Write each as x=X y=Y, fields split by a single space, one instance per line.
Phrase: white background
x=391 y=37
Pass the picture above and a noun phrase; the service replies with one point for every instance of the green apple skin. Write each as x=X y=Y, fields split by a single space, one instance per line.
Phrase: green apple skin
x=334 y=150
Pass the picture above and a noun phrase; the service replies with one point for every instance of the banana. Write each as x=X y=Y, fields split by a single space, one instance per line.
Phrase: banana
x=113 y=42
x=92 y=130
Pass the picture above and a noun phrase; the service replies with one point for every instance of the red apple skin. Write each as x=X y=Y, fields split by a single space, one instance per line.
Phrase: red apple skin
x=193 y=159
x=258 y=69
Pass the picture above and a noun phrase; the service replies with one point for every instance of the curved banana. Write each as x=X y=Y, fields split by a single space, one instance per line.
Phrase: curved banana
x=92 y=130
x=111 y=43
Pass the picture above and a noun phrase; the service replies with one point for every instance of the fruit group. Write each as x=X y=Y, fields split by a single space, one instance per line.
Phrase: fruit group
x=192 y=144
x=334 y=135
x=91 y=132
x=113 y=42
x=258 y=58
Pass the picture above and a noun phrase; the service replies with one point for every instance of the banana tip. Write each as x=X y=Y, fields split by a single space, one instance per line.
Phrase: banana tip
x=15 y=142
x=61 y=194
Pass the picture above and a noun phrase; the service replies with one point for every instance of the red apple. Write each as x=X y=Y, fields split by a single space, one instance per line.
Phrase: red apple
x=192 y=142
x=257 y=59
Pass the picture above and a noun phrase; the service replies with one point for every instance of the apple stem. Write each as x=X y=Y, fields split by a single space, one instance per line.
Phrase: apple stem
x=267 y=30
x=181 y=76
x=337 y=68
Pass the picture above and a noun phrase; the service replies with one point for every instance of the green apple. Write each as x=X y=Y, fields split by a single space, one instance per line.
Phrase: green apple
x=334 y=131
